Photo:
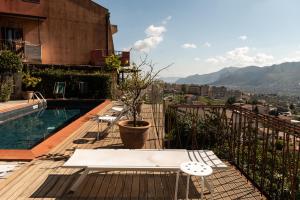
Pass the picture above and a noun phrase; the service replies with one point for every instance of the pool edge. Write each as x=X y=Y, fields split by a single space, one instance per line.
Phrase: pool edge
x=51 y=142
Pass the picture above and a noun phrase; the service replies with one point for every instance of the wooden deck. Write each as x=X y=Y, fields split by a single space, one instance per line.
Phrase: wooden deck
x=43 y=178
x=14 y=105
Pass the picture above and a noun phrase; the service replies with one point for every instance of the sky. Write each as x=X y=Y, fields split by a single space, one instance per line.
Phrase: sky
x=204 y=36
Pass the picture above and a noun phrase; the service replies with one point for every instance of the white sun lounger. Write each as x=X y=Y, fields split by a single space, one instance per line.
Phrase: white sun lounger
x=138 y=160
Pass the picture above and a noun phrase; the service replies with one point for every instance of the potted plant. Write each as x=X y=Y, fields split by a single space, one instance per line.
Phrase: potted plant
x=10 y=64
x=134 y=132
x=28 y=84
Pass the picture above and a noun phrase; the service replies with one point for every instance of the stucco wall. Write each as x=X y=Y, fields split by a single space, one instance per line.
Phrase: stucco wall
x=24 y=8
x=71 y=30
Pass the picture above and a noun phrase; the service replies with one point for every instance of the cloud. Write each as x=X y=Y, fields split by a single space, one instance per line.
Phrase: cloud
x=154 y=36
x=197 y=59
x=189 y=46
x=243 y=56
x=292 y=57
x=243 y=37
x=212 y=60
x=166 y=20
x=207 y=44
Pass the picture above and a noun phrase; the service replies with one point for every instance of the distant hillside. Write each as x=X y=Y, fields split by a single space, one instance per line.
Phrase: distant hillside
x=169 y=79
x=206 y=78
x=283 y=78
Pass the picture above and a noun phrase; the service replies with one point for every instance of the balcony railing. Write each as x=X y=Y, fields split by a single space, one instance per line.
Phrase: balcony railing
x=264 y=148
x=98 y=57
x=29 y=53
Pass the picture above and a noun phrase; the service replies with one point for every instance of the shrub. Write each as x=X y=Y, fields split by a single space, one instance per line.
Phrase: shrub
x=29 y=82
x=98 y=84
x=5 y=90
x=231 y=100
x=10 y=63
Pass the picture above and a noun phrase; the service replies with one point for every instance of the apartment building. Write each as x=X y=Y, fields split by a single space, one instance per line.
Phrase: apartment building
x=58 y=32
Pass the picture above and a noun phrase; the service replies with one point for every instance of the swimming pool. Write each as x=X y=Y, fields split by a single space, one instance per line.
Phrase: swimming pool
x=29 y=130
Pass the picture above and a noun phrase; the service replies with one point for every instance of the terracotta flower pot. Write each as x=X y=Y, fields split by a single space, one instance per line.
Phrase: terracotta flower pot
x=134 y=137
x=27 y=95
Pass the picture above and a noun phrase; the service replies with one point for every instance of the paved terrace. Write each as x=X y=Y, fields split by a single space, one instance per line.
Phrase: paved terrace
x=43 y=178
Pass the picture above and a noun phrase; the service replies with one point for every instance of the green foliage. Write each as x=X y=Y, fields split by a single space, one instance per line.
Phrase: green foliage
x=292 y=106
x=29 y=82
x=230 y=100
x=5 y=89
x=98 y=85
x=279 y=144
x=113 y=63
x=256 y=110
x=10 y=63
x=253 y=101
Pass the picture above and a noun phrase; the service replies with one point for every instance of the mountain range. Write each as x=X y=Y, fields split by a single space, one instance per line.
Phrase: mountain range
x=281 y=78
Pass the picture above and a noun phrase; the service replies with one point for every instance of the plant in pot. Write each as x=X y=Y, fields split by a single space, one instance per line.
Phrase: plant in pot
x=10 y=64
x=134 y=132
x=28 y=85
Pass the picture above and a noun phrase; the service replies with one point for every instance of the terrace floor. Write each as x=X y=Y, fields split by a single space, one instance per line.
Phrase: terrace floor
x=14 y=105
x=44 y=178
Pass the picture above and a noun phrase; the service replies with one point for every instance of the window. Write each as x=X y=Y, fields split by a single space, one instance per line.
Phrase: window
x=8 y=33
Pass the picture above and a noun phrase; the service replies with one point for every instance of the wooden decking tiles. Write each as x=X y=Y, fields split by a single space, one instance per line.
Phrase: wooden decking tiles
x=14 y=105
x=44 y=178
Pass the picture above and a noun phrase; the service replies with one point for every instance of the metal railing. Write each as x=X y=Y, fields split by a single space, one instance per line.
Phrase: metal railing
x=28 y=52
x=40 y=98
x=16 y=46
x=154 y=96
x=264 y=148
x=98 y=56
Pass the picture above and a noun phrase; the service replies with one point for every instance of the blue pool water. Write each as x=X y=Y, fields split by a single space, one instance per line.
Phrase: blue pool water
x=27 y=131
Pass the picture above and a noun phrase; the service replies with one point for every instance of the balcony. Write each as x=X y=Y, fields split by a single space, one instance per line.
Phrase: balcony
x=29 y=53
x=98 y=57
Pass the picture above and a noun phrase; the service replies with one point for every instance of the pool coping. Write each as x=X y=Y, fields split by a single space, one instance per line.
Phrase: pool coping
x=51 y=142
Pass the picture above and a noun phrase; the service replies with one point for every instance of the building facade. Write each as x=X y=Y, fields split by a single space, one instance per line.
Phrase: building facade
x=56 y=32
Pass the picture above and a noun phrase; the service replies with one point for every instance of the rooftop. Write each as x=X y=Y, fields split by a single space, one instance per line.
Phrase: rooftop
x=44 y=178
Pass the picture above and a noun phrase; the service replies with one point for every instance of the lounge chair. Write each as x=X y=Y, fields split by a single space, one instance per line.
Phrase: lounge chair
x=138 y=160
x=59 y=89
x=111 y=120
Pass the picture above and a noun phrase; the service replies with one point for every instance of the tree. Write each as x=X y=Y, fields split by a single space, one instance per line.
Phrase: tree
x=231 y=100
x=113 y=63
x=292 y=107
x=136 y=82
x=10 y=64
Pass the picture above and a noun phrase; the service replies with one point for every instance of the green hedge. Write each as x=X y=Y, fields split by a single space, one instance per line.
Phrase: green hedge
x=98 y=85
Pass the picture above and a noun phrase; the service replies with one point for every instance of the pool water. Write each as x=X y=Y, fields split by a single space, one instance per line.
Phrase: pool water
x=27 y=131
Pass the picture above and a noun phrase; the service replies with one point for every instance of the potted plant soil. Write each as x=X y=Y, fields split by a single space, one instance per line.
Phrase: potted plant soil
x=28 y=85
x=134 y=132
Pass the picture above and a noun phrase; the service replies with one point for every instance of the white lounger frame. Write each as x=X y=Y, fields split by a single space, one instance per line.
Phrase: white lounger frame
x=138 y=160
